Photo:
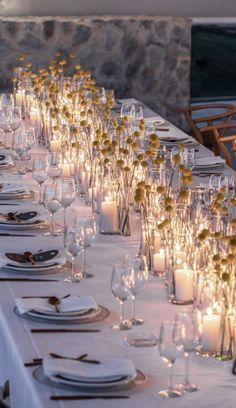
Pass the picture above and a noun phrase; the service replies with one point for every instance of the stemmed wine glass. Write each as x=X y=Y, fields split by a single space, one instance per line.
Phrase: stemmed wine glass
x=5 y=123
x=134 y=278
x=51 y=203
x=29 y=134
x=187 y=338
x=169 y=351
x=74 y=244
x=188 y=157
x=66 y=193
x=90 y=230
x=16 y=119
x=121 y=293
x=19 y=148
x=54 y=168
x=39 y=174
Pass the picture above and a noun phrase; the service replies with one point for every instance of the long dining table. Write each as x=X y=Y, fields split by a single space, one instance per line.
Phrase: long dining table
x=217 y=384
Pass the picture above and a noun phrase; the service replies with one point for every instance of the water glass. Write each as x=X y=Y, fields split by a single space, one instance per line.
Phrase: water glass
x=121 y=293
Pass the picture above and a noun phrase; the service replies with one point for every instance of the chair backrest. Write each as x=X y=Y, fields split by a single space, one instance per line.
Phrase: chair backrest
x=205 y=119
x=217 y=132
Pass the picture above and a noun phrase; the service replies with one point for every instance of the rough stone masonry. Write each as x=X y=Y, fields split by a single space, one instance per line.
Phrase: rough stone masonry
x=139 y=56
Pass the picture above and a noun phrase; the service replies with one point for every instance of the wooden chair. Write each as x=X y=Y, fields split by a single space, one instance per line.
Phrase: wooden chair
x=196 y=123
x=219 y=139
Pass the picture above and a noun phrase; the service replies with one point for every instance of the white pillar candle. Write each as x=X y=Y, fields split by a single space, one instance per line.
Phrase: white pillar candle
x=109 y=217
x=19 y=99
x=66 y=170
x=159 y=261
x=183 y=284
x=83 y=184
x=157 y=242
x=210 y=332
x=55 y=145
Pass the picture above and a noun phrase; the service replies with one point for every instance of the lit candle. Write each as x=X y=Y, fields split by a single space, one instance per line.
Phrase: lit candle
x=183 y=284
x=55 y=145
x=210 y=331
x=159 y=261
x=19 y=98
x=109 y=217
x=157 y=242
x=66 y=170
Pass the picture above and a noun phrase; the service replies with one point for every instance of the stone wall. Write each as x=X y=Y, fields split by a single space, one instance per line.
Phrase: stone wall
x=140 y=56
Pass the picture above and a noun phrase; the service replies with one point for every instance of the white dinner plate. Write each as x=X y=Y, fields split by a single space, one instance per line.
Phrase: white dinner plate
x=121 y=384
x=62 y=316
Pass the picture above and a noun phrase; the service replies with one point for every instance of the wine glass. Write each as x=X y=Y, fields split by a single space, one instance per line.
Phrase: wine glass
x=7 y=101
x=74 y=244
x=121 y=293
x=90 y=230
x=19 y=148
x=66 y=193
x=29 y=134
x=15 y=119
x=5 y=123
x=169 y=351
x=188 y=157
x=54 y=165
x=135 y=277
x=51 y=203
x=128 y=111
x=187 y=338
x=39 y=174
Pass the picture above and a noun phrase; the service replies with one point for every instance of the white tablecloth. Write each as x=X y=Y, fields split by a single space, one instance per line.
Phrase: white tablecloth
x=19 y=345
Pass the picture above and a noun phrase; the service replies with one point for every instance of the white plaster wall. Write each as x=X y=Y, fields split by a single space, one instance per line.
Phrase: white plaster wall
x=190 y=8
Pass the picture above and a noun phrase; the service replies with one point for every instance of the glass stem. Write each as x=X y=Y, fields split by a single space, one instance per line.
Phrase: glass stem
x=72 y=267
x=5 y=138
x=134 y=308
x=171 y=377
x=64 y=219
x=84 y=262
x=121 y=311
x=186 y=381
x=40 y=193
x=52 y=223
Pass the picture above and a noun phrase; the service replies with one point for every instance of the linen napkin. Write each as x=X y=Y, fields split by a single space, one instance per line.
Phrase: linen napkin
x=11 y=188
x=77 y=370
x=209 y=161
x=70 y=304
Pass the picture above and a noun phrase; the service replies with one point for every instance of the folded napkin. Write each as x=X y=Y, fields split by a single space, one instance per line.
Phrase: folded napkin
x=209 y=161
x=128 y=100
x=78 y=370
x=11 y=188
x=70 y=304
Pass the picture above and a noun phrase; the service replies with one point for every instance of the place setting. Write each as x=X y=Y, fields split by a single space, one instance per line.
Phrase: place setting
x=11 y=191
x=38 y=262
x=6 y=162
x=85 y=374
x=66 y=310
x=22 y=220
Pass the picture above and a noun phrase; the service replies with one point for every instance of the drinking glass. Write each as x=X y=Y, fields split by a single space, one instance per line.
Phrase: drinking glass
x=74 y=244
x=51 y=203
x=169 y=351
x=54 y=165
x=7 y=101
x=29 y=134
x=214 y=182
x=16 y=119
x=138 y=112
x=19 y=148
x=128 y=110
x=187 y=339
x=135 y=277
x=39 y=174
x=66 y=193
x=121 y=293
x=89 y=226
x=188 y=157
x=5 y=124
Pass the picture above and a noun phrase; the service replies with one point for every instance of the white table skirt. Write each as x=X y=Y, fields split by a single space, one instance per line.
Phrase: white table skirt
x=19 y=345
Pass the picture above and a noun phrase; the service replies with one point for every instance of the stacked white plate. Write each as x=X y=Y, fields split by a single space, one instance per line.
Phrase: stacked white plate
x=6 y=162
x=109 y=373
x=14 y=191
x=15 y=222
x=210 y=162
x=56 y=262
